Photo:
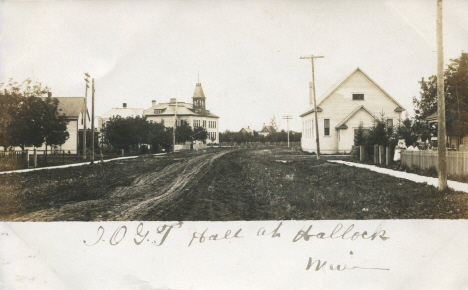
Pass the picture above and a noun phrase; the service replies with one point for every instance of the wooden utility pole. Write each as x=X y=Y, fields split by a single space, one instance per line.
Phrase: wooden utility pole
x=174 y=127
x=85 y=115
x=287 y=118
x=92 y=123
x=441 y=135
x=317 y=139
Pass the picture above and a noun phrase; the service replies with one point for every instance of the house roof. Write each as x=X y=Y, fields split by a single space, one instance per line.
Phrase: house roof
x=247 y=130
x=267 y=129
x=338 y=84
x=123 y=112
x=432 y=118
x=169 y=109
x=71 y=107
x=198 y=93
x=342 y=124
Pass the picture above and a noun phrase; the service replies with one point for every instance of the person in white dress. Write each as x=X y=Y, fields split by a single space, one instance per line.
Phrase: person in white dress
x=400 y=146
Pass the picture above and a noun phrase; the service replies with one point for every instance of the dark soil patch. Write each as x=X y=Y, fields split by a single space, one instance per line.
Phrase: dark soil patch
x=248 y=184
x=252 y=185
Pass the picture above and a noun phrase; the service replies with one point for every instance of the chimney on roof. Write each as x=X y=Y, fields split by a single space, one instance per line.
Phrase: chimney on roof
x=173 y=100
x=153 y=103
x=49 y=94
x=124 y=105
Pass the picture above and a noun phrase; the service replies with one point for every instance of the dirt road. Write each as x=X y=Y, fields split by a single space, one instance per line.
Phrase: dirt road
x=158 y=191
x=221 y=185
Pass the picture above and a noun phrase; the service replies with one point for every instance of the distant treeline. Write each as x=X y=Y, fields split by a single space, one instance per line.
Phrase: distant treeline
x=238 y=137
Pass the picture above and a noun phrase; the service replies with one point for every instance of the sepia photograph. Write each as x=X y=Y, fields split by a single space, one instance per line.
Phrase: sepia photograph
x=255 y=113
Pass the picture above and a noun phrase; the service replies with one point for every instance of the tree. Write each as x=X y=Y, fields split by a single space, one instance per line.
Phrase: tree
x=126 y=133
x=183 y=132
x=380 y=133
x=360 y=136
x=295 y=136
x=200 y=134
x=273 y=123
x=26 y=127
x=422 y=129
x=27 y=120
x=166 y=141
x=54 y=125
x=21 y=113
x=406 y=130
x=88 y=138
x=10 y=100
x=157 y=136
x=456 y=77
x=456 y=98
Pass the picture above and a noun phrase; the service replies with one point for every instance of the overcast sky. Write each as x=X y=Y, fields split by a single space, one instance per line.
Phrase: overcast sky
x=247 y=52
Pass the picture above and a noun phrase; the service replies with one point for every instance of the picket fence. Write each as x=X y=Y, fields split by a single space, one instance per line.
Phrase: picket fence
x=457 y=162
x=12 y=160
x=196 y=146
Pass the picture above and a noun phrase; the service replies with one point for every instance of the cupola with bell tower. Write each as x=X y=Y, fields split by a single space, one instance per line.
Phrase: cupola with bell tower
x=199 y=100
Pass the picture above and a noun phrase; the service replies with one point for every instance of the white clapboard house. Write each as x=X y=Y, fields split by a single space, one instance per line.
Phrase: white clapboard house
x=73 y=109
x=356 y=99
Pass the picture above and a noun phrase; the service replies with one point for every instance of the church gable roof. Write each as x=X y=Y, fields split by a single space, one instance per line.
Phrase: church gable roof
x=341 y=82
x=337 y=85
x=342 y=124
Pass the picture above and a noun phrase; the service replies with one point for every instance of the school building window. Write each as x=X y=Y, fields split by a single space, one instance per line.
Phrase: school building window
x=326 y=127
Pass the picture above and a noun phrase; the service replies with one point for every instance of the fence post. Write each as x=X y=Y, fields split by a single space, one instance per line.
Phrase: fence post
x=387 y=156
x=381 y=154
x=35 y=158
x=122 y=152
x=27 y=158
x=361 y=153
x=376 y=154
